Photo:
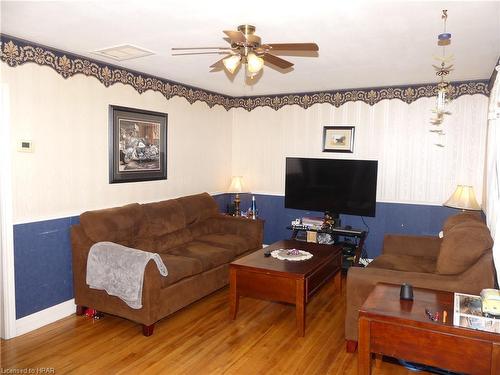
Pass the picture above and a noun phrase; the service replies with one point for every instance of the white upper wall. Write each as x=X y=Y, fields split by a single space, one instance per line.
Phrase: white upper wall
x=67 y=120
x=411 y=168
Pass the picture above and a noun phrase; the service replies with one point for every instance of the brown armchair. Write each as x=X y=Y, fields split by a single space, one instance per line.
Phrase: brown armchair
x=461 y=261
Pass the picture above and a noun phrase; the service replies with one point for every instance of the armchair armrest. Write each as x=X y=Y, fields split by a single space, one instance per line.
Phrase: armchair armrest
x=427 y=246
x=361 y=282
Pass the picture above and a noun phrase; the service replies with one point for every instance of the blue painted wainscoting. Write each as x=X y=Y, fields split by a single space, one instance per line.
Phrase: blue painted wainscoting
x=390 y=218
x=42 y=250
x=42 y=264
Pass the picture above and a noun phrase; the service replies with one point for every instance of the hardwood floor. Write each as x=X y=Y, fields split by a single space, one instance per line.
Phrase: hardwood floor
x=200 y=339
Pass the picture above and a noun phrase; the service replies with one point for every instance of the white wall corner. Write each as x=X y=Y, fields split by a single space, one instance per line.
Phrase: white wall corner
x=42 y=318
x=7 y=283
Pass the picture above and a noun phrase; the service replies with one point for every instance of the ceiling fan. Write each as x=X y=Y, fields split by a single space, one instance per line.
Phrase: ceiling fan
x=246 y=48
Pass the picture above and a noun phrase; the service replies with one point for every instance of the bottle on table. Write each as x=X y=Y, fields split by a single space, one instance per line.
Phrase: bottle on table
x=254 y=208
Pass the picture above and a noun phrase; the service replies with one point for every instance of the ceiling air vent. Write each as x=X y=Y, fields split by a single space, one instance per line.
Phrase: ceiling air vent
x=123 y=52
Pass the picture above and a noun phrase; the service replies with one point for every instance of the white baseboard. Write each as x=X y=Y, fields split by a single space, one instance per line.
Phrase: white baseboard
x=41 y=318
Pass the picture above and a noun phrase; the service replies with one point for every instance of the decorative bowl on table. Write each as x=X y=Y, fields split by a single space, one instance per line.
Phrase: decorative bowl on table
x=291 y=254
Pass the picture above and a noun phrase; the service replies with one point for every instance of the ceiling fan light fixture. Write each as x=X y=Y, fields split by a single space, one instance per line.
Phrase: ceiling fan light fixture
x=231 y=63
x=246 y=49
x=249 y=74
x=254 y=63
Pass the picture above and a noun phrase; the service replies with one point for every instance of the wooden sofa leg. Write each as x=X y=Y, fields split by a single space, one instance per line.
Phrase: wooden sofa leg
x=148 y=330
x=351 y=346
x=80 y=310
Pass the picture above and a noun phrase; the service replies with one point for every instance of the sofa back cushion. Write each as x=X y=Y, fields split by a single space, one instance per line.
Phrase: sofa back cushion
x=162 y=218
x=463 y=217
x=171 y=240
x=198 y=207
x=462 y=246
x=118 y=224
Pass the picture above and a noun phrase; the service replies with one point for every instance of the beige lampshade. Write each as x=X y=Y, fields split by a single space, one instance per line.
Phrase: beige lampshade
x=236 y=185
x=463 y=198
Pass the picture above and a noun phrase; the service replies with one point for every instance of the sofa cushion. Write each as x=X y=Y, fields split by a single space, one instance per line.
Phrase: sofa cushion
x=238 y=244
x=161 y=218
x=178 y=268
x=208 y=255
x=118 y=224
x=198 y=207
x=171 y=240
x=405 y=263
x=204 y=227
x=146 y=244
x=461 y=218
x=462 y=246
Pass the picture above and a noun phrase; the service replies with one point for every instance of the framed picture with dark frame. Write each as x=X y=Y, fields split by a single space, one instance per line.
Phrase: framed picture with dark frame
x=338 y=139
x=137 y=145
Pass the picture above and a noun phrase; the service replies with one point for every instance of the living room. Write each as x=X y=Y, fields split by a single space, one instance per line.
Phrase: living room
x=375 y=75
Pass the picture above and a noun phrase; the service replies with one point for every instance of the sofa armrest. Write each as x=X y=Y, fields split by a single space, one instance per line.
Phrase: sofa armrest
x=427 y=246
x=151 y=293
x=80 y=246
x=241 y=226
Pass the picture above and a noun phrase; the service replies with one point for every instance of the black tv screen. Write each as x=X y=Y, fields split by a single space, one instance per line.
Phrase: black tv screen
x=339 y=186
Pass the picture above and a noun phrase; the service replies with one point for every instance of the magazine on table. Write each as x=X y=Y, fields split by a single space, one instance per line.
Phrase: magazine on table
x=468 y=313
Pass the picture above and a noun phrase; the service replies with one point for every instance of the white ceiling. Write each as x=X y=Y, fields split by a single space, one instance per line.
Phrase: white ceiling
x=362 y=44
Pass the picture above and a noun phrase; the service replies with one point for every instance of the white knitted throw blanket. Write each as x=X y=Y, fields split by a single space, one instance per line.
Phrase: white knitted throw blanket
x=119 y=270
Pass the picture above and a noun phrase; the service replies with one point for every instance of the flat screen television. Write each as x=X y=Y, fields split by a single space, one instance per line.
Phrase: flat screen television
x=339 y=186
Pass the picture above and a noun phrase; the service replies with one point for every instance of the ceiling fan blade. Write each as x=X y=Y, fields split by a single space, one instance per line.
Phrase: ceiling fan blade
x=187 y=48
x=292 y=46
x=275 y=60
x=200 y=53
x=235 y=36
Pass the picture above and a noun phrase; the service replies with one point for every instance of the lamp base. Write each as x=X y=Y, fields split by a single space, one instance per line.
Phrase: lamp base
x=237 y=201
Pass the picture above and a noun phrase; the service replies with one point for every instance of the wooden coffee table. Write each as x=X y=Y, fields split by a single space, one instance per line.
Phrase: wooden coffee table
x=282 y=280
x=401 y=329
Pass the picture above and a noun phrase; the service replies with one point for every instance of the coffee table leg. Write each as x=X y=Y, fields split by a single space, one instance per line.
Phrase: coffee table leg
x=364 y=355
x=300 y=307
x=234 y=297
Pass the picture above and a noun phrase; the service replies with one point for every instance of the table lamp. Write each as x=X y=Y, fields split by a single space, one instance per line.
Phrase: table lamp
x=463 y=198
x=236 y=187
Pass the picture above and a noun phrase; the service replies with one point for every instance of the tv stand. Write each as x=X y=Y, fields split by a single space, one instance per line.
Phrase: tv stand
x=332 y=219
x=350 y=248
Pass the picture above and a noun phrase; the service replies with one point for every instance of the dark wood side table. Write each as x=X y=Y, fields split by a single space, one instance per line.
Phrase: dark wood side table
x=282 y=280
x=401 y=329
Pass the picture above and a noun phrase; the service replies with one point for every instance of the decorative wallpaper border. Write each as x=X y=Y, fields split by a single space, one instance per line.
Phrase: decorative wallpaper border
x=14 y=52
x=371 y=96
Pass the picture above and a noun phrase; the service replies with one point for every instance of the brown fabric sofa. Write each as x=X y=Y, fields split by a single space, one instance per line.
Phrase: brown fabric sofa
x=461 y=261
x=195 y=242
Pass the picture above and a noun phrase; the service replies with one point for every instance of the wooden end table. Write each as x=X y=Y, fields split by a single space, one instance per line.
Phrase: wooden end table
x=401 y=329
x=282 y=280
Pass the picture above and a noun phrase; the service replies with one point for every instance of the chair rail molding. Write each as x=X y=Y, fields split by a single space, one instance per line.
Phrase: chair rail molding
x=15 y=52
